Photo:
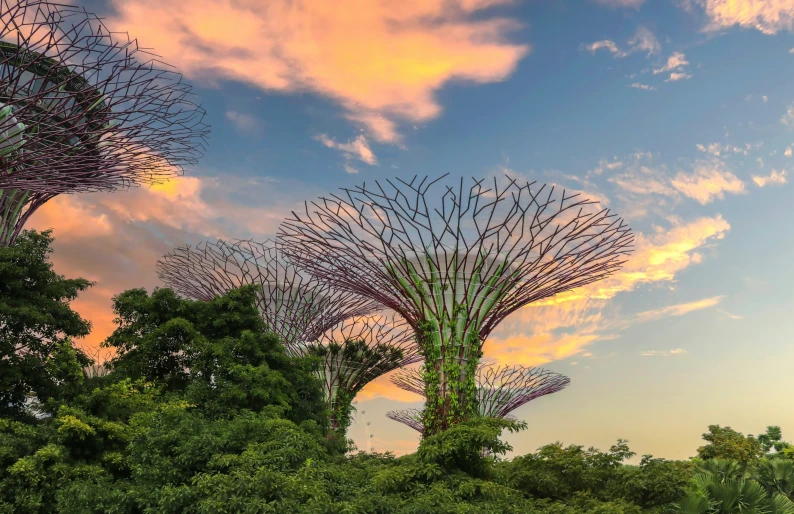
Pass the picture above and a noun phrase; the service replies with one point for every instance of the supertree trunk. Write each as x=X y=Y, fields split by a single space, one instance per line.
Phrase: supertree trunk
x=16 y=206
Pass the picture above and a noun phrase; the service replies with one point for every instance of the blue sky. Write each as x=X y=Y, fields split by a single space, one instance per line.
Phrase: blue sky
x=678 y=115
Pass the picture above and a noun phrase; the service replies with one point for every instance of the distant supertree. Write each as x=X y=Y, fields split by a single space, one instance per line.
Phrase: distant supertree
x=408 y=417
x=83 y=109
x=454 y=262
x=356 y=352
x=354 y=344
x=298 y=308
x=501 y=389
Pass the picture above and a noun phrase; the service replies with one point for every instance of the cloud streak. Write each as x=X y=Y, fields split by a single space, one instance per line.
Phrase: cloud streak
x=382 y=61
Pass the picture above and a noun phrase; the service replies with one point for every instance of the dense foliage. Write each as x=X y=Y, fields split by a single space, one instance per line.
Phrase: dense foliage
x=202 y=411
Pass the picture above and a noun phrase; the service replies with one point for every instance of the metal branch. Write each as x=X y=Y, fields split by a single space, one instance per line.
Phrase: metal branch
x=501 y=389
x=354 y=344
x=455 y=262
x=494 y=250
x=298 y=308
x=409 y=417
x=83 y=109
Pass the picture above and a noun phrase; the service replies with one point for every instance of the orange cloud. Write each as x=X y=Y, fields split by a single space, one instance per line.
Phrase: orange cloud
x=678 y=310
x=381 y=387
x=115 y=239
x=562 y=326
x=707 y=183
x=776 y=177
x=382 y=60
x=768 y=16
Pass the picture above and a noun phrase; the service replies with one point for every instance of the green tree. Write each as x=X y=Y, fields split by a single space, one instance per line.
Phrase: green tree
x=36 y=324
x=726 y=443
x=721 y=486
x=218 y=354
x=772 y=439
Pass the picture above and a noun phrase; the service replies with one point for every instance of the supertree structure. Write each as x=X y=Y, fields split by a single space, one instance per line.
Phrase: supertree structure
x=501 y=389
x=83 y=109
x=355 y=352
x=296 y=307
x=409 y=417
x=354 y=343
x=454 y=261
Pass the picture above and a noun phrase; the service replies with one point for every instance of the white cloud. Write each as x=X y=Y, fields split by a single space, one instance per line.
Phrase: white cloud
x=775 y=178
x=242 y=122
x=643 y=40
x=674 y=62
x=663 y=353
x=646 y=87
x=788 y=152
x=788 y=118
x=357 y=148
x=678 y=310
x=708 y=182
x=621 y=3
x=678 y=76
x=608 y=45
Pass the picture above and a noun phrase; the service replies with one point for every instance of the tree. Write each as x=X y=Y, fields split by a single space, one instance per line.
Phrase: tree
x=772 y=440
x=218 y=354
x=36 y=324
x=720 y=486
x=726 y=443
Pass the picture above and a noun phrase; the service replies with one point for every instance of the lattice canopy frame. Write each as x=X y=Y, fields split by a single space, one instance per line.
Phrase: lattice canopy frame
x=354 y=343
x=83 y=109
x=455 y=261
x=501 y=389
x=356 y=352
x=297 y=307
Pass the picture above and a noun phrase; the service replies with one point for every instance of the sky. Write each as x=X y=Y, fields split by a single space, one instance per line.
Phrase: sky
x=678 y=115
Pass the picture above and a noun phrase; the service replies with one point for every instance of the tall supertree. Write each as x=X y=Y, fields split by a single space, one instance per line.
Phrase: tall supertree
x=353 y=354
x=354 y=343
x=454 y=261
x=501 y=389
x=83 y=109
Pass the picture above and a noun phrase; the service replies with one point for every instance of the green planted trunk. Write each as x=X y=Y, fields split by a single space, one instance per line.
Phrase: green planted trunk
x=13 y=212
x=449 y=333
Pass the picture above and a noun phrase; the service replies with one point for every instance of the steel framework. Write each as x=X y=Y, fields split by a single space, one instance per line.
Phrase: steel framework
x=353 y=343
x=501 y=389
x=83 y=109
x=298 y=308
x=413 y=418
x=454 y=262
x=354 y=353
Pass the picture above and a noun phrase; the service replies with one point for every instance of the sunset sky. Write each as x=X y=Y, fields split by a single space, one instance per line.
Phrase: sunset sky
x=679 y=115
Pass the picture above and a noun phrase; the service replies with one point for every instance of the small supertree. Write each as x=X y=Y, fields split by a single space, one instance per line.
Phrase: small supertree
x=408 y=417
x=455 y=262
x=501 y=389
x=353 y=343
x=353 y=354
x=83 y=109
x=296 y=307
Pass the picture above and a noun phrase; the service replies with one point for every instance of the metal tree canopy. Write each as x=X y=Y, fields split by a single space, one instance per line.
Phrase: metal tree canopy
x=83 y=110
x=501 y=389
x=413 y=418
x=298 y=308
x=354 y=353
x=454 y=261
